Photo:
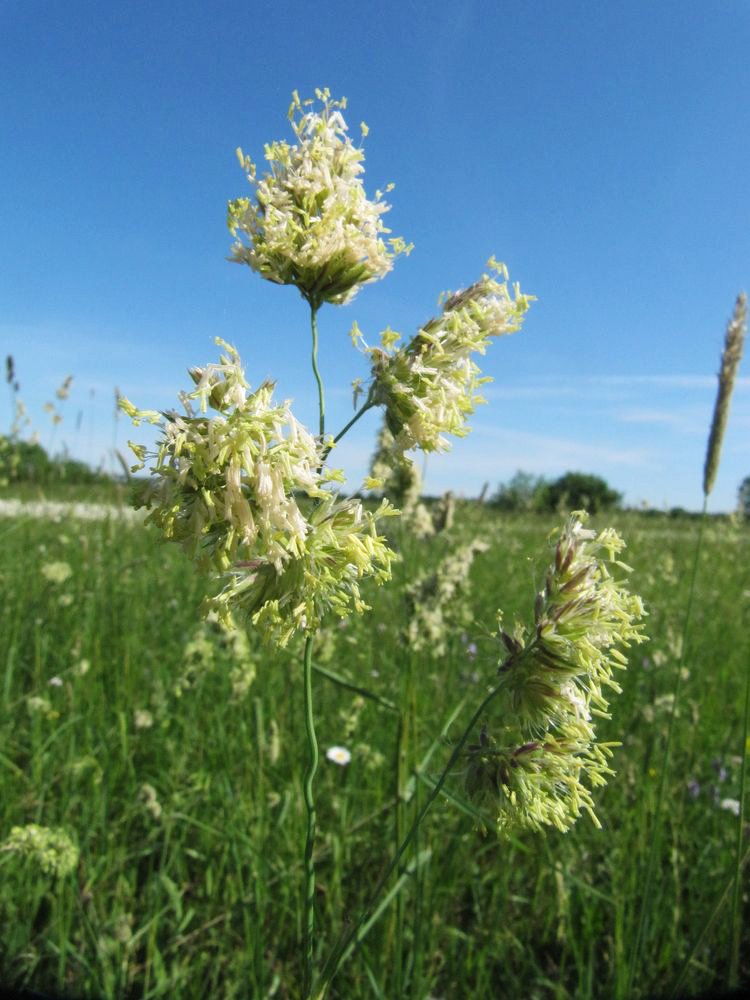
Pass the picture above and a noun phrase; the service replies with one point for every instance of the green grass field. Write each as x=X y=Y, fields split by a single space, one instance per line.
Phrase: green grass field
x=180 y=782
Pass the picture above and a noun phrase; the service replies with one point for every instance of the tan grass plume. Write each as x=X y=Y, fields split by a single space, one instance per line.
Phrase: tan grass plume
x=730 y=361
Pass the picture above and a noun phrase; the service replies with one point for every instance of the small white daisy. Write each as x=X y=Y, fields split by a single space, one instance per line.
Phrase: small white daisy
x=732 y=805
x=339 y=755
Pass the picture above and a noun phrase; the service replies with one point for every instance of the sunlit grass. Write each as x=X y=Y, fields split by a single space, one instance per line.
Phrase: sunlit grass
x=189 y=880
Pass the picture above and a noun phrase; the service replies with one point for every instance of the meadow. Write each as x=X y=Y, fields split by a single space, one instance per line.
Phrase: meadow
x=173 y=755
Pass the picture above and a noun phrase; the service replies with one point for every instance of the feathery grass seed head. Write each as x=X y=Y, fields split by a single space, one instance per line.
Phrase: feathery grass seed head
x=730 y=360
x=555 y=679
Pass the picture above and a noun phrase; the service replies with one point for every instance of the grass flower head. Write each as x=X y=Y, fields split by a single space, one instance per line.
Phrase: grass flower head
x=730 y=360
x=243 y=494
x=310 y=223
x=225 y=485
x=532 y=769
x=430 y=386
x=341 y=547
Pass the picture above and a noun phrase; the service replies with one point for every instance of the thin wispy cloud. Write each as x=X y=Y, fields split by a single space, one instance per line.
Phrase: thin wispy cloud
x=686 y=423
x=544 y=452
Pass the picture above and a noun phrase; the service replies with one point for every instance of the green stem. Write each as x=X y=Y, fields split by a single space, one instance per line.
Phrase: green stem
x=355 y=933
x=655 y=837
x=398 y=831
x=367 y=405
x=311 y=819
x=312 y=743
x=734 y=961
x=356 y=688
x=321 y=399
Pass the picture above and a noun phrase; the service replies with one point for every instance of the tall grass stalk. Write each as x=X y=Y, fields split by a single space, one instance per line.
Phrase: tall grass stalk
x=356 y=932
x=730 y=360
x=736 y=926
x=311 y=818
x=309 y=918
x=646 y=900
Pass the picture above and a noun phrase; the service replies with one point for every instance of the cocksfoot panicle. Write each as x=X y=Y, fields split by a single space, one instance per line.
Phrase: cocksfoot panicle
x=429 y=387
x=438 y=602
x=51 y=849
x=342 y=546
x=532 y=767
x=400 y=478
x=225 y=485
x=310 y=223
x=243 y=494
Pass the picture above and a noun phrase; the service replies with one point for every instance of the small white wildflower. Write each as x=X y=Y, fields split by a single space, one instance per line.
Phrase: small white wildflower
x=56 y=572
x=37 y=704
x=339 y=755
x=143 y=719
x=52 y=849
x=731 y=805
x=150 y=800
x=55 y=682
x=82 y=668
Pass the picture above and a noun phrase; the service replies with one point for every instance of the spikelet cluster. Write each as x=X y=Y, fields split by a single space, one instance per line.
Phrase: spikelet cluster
x=342 y=547
x=438 y=602
x=226 y=483
x=242 y=493
x=51 y=849
x=429 y=387
x=311 y=223
x=730 y=361
x=531 y=768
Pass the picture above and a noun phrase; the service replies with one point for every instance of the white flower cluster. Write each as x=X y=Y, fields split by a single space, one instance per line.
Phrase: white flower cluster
x=311 y=224
x=212 y=644
x=438 y=602
x=341 y=548
x=531 y=769
x=242 y=493
x=430 y=386
x=51 y=849
x=226 y=484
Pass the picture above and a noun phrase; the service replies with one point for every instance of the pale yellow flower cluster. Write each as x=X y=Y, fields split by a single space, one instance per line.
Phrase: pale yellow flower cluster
x=438 y=602
x=51 y=849
x=310 y=223
x=531 y=767
x=243 y=494
x=430 y=386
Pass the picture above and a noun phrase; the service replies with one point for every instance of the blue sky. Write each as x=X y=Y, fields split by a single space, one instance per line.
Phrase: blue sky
x=600 y=149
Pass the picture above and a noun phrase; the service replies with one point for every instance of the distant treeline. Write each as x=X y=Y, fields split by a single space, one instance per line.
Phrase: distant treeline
x=26 y=462
x=573 y=491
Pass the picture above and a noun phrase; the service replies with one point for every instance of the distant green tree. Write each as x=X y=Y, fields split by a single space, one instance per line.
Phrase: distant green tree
x=743 y=497
x=521 y=493
x=23 y=462
x=579 y=491
x=27 y=462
